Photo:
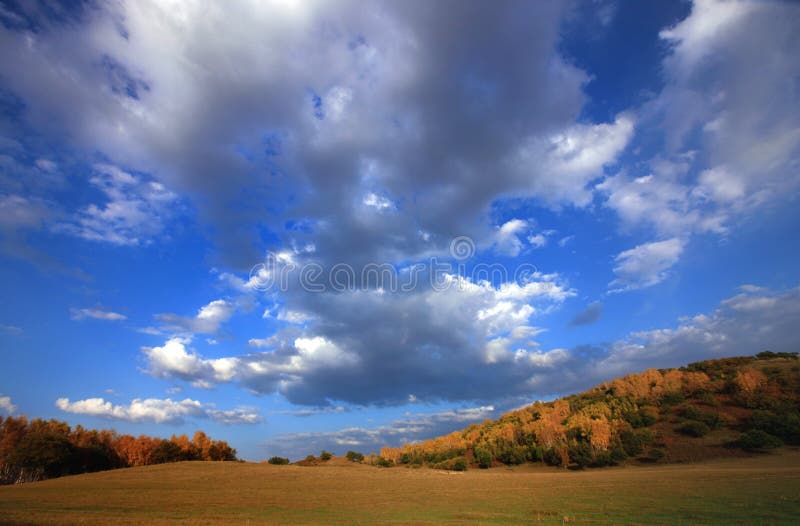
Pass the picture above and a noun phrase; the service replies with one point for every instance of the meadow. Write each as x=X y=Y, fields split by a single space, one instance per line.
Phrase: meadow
x=761 y=489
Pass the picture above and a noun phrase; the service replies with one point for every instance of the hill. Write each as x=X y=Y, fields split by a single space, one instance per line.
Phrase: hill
x=759 y=490
x=716 y=408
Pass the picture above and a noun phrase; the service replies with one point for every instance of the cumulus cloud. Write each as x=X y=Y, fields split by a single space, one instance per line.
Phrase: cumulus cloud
x=351 y=136
x=174 y=360
x=412 y=428
x=6 y=405
x=208 y=319
x=159 y=411
x=645 y=265
x=734 y=144
x=468 y=341
x=96 y=314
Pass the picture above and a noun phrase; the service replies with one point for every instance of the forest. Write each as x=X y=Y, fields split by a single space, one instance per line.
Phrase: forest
x=32 y=450
x=716 y=408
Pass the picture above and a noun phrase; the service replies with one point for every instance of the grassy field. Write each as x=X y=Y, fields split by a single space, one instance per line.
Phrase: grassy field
x=757 y=490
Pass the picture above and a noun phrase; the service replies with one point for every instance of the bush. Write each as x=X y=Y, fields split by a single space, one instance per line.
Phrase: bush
x=325 y=456
x=311 y=458
x=383 y=462
x=757 y=439
x=783 y=424
x=278 y=461
x=672 y=398
x=580 y=453
x=633 y=443
x=513 y=455
x=354 y=456
x=709 y=418
x=654 y=455
x=693 y=428
x=643 y=417
x=483 y=457
x=453 y=464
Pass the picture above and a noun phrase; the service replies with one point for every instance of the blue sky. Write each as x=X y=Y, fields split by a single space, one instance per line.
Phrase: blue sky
x=581 y=189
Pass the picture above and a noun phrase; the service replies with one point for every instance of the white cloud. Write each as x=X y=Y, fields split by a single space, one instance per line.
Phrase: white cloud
x=537 y=240
x=347 y=350
x=96 y=314
x=174 y=360
x=566 y=240
x=508 y=241
x=646 y=264
x=159 y=411
x=208 y=320
x=132 y=215
x=378 y=202
x=6 y=405
x=139 y=410
x=235 y=416
x=572 y=159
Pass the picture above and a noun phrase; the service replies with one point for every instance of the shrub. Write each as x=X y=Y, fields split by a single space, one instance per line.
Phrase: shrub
x=513 y=455
x=483 y=457
x=709 y=418
x=632 y=443
x=693 y=428
x=654 y=455
x=325 y=456
x=383 y=462
x=311 y=458
x=603 y=458
x=757 y=439
x=672 y=398
x=783 y=424
x=453 y=464
x=278 y=461
x=580 y=453
x=354 y=456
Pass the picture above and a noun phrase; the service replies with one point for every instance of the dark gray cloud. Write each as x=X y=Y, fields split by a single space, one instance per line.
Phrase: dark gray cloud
x=591 y=314
x=377 y=349
x=438 y=108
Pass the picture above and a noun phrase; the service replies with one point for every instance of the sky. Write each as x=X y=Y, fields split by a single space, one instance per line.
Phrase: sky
x=343 y=225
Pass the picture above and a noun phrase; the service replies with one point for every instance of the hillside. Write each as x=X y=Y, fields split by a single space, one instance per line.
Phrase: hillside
x=717 y=408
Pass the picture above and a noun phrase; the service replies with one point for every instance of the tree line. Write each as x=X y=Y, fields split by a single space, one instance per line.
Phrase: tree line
x=32 y=450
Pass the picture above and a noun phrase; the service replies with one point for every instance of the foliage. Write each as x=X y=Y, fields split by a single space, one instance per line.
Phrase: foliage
x=633 y=417
x=757 y=439
x=693 y=428
x=278 y=461
x=453 y=464
x=483 y=457
x=37 y=449
x=354 y=456
x=325 y=456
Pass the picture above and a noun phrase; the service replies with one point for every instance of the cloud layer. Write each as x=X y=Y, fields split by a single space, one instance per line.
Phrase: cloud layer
x=159 y=411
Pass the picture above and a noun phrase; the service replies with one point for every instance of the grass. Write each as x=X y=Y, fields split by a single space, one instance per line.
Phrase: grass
x=757 y=490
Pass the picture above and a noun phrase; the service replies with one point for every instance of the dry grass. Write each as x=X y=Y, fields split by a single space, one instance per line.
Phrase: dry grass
x=758 y=490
